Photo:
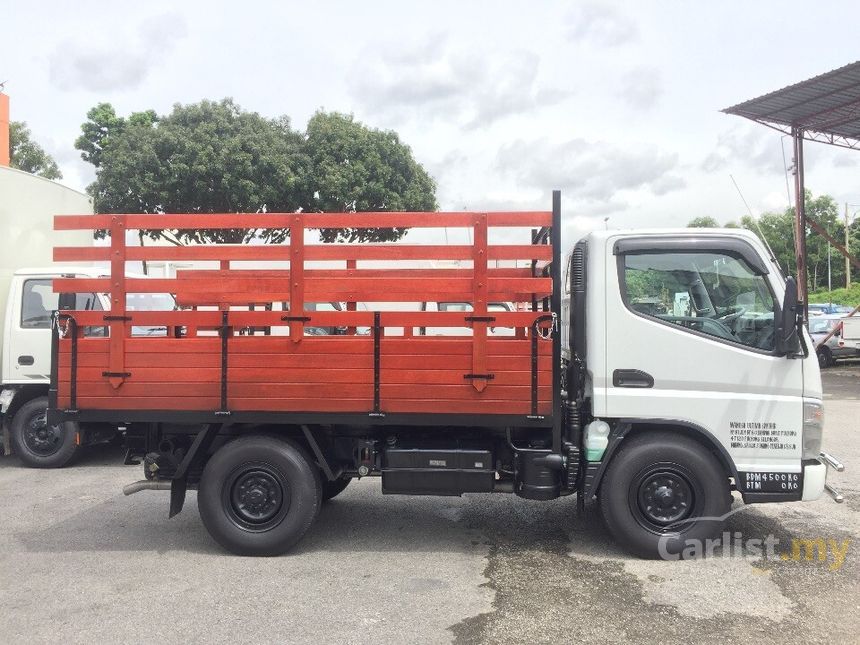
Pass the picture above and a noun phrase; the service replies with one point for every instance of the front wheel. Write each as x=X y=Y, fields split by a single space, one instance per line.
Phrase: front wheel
x=664 y=495
x=259 y=495
x=825 y=357
x=39 y=444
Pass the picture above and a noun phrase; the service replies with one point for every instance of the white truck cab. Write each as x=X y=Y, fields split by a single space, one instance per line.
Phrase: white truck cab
x=25 y=367
x=25 y=363
x=685 y=332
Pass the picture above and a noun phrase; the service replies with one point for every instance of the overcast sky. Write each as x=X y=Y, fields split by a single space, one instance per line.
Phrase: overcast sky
x=617 y=104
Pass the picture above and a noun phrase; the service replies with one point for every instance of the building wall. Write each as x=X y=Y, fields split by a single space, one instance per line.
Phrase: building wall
x=27 y=207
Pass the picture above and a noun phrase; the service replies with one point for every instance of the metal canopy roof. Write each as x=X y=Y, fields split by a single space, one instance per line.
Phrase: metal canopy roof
x=825 y=108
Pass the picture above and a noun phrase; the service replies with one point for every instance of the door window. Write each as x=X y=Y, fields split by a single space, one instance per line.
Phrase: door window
x=39 y=301
x=714 y=294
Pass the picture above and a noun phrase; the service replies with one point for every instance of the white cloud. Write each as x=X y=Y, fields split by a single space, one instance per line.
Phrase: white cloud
x=601 y=24
x=431 y=81
x=593 y=172
x=118 y=63
x=641 y=88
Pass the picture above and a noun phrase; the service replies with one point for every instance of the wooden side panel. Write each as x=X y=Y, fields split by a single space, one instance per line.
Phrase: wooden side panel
x=289 y=371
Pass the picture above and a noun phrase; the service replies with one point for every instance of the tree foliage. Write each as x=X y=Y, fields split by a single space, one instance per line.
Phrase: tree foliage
x=778 y=230
x=215 y=157
x=704 y=221
x=27 y=155
x=355 y=168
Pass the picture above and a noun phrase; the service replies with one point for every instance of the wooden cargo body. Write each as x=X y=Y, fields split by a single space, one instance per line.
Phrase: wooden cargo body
x=237 y=344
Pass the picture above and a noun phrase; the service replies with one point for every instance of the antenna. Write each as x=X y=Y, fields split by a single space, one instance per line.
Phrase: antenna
x=755 y=221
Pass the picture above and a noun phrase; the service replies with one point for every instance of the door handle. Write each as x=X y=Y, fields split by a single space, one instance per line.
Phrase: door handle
x=26 y=360
x=632 y=378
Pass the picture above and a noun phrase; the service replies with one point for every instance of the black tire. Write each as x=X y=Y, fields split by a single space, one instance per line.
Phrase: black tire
x=333 y=489
x=259 y=495
x=656 y=485
x=39 y=445
x=825 y=357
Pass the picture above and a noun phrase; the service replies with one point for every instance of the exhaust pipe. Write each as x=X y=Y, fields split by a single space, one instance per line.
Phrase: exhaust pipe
x=145 y=484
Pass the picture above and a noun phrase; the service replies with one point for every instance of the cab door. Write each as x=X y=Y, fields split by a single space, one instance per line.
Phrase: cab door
x=30 y=341
x=691 y=338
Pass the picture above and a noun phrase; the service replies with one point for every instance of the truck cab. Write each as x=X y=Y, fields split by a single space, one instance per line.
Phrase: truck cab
x=685 y=333
x=25 y=366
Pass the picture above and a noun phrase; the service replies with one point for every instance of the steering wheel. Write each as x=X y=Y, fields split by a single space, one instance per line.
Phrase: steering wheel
x=732 y=314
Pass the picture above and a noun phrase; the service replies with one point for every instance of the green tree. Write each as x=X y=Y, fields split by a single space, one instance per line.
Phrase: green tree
x=704 y=221
x=102 y=123
x=356 y=168
x=27 y=155
x=778 y=230
x=215 y=157
x=825 y=212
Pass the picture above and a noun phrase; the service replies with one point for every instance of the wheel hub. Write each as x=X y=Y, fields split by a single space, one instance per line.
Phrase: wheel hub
x=665 y=498
x=256 y=497
x=41 y=438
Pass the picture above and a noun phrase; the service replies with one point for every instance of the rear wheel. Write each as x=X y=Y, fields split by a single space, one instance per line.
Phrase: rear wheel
x=259 y=495
x=333 y=489
x=663 y=492
x=39 y=444
x=825 y=357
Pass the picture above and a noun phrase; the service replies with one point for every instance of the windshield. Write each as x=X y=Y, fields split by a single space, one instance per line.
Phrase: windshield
x=821 y=326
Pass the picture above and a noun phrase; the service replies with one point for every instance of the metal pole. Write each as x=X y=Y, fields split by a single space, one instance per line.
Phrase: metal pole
x=847 y=248
x=800 y=219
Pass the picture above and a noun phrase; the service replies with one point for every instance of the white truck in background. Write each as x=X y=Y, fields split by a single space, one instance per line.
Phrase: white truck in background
x=27 y=207
x=25 y=366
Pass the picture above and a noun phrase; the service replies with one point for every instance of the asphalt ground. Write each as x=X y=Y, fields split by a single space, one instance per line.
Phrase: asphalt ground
x=81 y=563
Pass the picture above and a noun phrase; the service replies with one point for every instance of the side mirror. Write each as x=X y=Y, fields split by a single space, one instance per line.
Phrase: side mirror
x=788 y=336
x=66 y=301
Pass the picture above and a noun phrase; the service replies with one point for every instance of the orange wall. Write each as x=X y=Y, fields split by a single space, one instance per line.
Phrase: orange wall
x=4 y=130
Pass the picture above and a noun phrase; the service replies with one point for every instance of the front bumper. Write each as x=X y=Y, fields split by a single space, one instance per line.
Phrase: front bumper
x=815 y=478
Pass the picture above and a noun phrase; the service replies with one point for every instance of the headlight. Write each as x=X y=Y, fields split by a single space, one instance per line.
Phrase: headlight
x=813 y=427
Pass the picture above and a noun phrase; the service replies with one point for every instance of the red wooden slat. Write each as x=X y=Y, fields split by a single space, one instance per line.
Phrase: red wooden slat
x=246 y=318
x=305 y=405
x=171 y=361
x=117 y=302
x=276 y=252
x=415 y=289
x=314 y=361
x=296 y=282
x=419 y=346
x=320 y=392
x=480 y=287
x=312 y=220
x=295 y=376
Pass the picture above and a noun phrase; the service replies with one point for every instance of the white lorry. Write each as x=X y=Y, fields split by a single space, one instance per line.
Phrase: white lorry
x=25 y=365
x=27 y=207
x=688 y=374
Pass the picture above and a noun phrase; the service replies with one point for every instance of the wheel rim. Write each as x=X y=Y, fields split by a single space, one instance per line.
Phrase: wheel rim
x=40 y=438
x=256 y=497
x=663 y=496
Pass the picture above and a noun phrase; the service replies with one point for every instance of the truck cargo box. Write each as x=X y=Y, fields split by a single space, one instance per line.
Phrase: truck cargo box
x=237 y=345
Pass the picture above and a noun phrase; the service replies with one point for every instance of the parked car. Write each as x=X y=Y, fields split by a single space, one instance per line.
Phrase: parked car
x=827 y=308
x=845 y=343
